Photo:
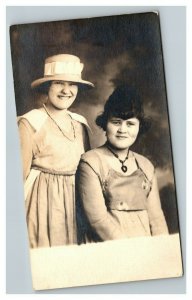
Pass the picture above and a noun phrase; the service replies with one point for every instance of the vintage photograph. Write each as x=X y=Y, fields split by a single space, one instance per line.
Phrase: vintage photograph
x=95 y=140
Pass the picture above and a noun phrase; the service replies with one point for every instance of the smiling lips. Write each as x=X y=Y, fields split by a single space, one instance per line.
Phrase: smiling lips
x=64 y=97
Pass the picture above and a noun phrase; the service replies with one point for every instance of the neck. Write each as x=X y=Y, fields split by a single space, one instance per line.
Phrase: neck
x=57 y=113
x=120 y=152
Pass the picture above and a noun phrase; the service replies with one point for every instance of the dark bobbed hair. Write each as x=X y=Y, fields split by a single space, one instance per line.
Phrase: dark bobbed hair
x=125 y=103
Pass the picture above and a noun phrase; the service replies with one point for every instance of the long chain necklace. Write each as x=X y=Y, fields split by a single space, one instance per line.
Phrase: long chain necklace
x=123 y=167
x=65 y=135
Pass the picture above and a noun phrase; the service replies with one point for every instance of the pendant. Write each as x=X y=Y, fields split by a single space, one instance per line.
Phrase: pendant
x=124 y=169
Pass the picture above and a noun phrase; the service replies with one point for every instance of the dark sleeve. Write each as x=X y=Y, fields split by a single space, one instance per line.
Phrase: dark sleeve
x=25 y=134
x=156 y=216
x=86 y=141
x=94 y=204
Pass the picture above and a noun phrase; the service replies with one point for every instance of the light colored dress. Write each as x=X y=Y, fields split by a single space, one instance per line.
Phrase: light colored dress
x=118 y=205
x=50 y=161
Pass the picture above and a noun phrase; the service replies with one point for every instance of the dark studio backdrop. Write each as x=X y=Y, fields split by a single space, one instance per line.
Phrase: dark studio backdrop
x=114 y=50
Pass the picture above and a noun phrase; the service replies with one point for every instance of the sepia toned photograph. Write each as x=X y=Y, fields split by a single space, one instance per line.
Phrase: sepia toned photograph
x=95 y=140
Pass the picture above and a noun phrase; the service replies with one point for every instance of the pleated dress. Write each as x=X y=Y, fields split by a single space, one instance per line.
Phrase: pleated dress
x=50 y=159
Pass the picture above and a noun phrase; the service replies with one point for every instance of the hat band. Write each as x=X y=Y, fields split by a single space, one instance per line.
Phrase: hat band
x=58 y=68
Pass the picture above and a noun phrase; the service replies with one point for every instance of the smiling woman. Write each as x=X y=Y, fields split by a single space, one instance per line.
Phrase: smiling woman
x=62 y=90
x=122 y=133
x=117 y=186
x=47 y=136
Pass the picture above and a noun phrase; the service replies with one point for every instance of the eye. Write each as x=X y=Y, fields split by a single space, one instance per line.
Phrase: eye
x=57 y=82
x=129 y=124
x=116 y=122
x=72 y=84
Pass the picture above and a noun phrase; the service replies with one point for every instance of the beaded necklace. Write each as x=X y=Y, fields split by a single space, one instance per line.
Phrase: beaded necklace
x=64 y=134
x=123 y=167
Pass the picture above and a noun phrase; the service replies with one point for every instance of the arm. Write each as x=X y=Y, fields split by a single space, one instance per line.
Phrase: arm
x=25 y=133
x=156 y=216
x=94 y=204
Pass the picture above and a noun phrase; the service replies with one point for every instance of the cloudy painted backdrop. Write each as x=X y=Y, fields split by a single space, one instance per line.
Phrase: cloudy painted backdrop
x=114 y=50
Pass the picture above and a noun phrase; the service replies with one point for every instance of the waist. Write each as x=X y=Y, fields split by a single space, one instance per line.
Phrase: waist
x=130 y=199
x=54 y=172
x=126 y=206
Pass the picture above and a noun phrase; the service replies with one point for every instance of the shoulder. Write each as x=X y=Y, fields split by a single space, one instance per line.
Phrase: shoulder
x=35 y=118
x=80 y=119
x=94 y=154
x=93 y=158
x=145 y=164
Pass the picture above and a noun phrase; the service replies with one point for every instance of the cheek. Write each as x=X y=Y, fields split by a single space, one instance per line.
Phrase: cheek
x=52 y=91
x=135 y=132
x=110 y=132
x=74 y=90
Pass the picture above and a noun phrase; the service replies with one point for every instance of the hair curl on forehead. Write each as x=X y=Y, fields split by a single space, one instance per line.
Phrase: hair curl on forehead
x=125 y=103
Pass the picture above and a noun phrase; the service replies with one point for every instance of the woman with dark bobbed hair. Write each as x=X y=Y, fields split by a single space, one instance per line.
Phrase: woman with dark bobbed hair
x=118 y=187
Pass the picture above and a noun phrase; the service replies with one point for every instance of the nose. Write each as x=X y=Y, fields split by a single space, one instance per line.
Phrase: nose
x=65 y=88
x=122 y=128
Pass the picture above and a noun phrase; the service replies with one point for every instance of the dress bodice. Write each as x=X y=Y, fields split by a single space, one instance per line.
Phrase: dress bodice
x=126 y=192
x=119 y=205
x=51 y=149
x=54 y=151
x=121 y=191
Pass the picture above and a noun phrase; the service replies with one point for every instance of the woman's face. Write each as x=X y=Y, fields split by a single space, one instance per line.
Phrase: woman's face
x=121 y=134
x=62 y=94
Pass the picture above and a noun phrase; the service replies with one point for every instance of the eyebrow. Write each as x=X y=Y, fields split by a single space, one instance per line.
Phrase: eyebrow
x=120 y=119
x=131 y=122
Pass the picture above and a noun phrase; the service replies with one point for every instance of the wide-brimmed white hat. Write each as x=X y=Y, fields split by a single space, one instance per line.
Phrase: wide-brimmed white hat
x=64 y=67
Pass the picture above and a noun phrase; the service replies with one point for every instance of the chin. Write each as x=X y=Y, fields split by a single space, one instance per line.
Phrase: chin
x=122 y=147
x=61 y=107
x=119 y=146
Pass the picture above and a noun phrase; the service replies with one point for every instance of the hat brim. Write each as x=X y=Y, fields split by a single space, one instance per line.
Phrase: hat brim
x=38 y=82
